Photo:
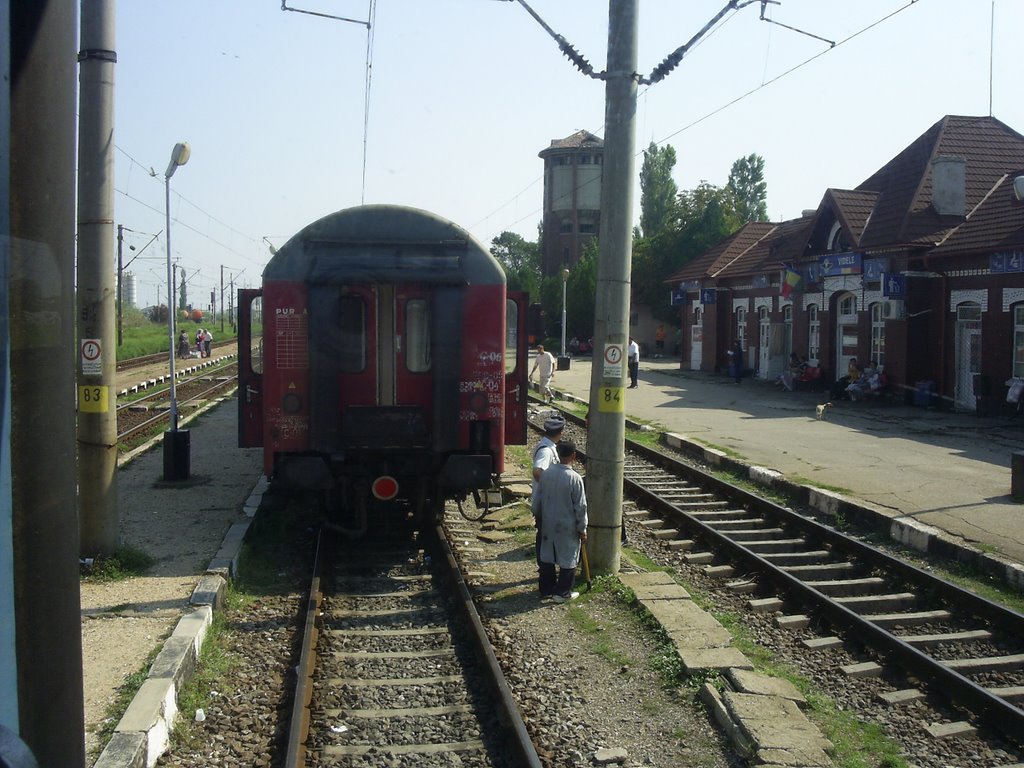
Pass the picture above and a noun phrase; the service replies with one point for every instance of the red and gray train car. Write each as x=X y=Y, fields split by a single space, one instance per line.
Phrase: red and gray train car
x=392 y=366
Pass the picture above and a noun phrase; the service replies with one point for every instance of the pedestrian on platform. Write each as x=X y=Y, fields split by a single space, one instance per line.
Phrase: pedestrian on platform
x=544 y=455
x=199 y=341
x=183 y=350
x=659 y=340
x=737 y=362
x=545 y=361
x=633 y=359
x=207 y=342
x=561 y=506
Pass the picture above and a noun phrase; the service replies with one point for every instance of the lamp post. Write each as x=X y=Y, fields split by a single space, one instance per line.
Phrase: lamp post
x=176 y=443
x=565 y=282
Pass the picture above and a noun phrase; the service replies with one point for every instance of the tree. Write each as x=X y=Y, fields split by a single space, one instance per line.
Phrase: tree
x=657 y=190
x=521 y=261
x=748 y=188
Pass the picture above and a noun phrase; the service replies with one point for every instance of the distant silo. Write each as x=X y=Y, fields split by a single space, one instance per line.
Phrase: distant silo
x=131 y=288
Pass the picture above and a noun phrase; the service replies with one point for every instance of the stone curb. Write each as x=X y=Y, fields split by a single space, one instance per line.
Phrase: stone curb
x=143 y=733
x=759 y=714
x=900 y=528
x=144 y=385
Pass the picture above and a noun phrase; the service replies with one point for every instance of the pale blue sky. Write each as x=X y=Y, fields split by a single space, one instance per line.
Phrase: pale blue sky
x=465 y=93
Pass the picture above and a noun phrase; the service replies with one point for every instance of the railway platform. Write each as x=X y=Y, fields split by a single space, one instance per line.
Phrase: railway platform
x=932 y=473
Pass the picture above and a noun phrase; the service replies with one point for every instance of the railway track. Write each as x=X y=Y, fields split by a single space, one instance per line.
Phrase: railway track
x=395 y=667
x=141 y=416
x=934 y=636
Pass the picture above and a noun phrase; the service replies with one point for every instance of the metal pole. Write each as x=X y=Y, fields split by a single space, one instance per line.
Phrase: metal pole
x=40 y=253
x=565 y=281
x=170 y=309
x=605 y=462
x=221 y=299
x=97 y=370
x=120 y=291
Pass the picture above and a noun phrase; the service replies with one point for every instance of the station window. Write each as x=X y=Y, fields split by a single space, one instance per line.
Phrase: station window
x=877 y=334
x=584 y=160
x=417 y=336
x=813 y=333
x=351 y=325
x=566 y=227
x=587 y=229
x=1018 y=341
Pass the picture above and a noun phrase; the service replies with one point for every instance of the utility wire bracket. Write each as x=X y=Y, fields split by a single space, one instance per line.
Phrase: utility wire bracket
x=285 y=7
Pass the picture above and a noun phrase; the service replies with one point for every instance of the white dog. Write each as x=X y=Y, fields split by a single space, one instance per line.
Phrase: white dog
x=820 y=409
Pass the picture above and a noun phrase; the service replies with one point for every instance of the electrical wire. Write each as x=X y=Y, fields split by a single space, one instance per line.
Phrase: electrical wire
x=728 y=104
x=370 y=28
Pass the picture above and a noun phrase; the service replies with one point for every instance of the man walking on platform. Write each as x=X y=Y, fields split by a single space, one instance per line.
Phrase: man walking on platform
x=633 y=359
x=546 y=362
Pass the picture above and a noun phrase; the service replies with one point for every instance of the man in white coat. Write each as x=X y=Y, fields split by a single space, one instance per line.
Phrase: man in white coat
x=561 y=504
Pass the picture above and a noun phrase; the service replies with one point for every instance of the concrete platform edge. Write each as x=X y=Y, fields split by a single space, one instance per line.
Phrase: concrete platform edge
x=768 y=718
x=142 y=735
x=899 y=528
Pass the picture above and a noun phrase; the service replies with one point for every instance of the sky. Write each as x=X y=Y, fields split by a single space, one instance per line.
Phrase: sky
x=464 y=94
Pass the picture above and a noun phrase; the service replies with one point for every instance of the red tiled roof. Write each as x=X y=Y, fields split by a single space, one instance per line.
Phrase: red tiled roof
x=903 y=213
x=785 y=243
x=710 y=263
x=996 y=224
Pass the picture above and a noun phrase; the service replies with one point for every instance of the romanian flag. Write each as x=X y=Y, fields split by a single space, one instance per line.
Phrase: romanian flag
x=790 y=280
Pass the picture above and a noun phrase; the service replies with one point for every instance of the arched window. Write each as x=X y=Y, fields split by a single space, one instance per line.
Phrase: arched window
x=847 y=305
x=741 y=327
x=698 y=316
x=813 y=332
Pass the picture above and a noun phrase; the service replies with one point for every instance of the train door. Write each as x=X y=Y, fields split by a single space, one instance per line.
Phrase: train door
x=516 y=362
x=250 y=369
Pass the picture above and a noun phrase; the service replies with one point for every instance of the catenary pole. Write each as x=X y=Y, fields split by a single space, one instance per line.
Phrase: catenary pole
x=605 y=460
x=41 y=253
x=97 y=358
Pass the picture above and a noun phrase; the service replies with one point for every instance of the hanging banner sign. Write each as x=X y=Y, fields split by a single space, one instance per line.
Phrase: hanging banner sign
x=841 y=264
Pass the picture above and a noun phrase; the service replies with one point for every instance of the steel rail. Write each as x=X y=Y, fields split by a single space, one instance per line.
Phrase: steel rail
x=998 y=712
x=298 y=727
x=995 y=711
x=524 y=752
x=164 y=416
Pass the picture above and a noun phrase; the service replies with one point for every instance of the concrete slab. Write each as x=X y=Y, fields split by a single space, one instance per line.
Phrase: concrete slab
x=781 y=733
x=680 y=615
x=948 y=730
x=746 y=681
x=645 y=578
x=708 y=637
x=700 y=660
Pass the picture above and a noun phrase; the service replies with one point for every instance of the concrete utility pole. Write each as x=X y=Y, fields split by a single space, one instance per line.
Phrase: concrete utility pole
x=606 y=460
x=41 y=256
x=221 y=299
x=97 y=358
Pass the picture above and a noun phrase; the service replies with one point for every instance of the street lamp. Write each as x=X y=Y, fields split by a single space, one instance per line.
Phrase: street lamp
x=176 y=444
x=565 y=281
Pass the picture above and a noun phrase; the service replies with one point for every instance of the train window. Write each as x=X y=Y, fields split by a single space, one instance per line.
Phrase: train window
x=256 y=334
x=417 y=335
x=511 y=335
x=351 y=324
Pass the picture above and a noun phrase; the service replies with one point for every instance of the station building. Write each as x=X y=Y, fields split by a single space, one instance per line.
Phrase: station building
x=919 y=270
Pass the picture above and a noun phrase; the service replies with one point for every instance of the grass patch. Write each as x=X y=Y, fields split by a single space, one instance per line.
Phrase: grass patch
x=125 y=563
x=601 y=644
x=650 y=439
x=801 y=480
x=214 y=663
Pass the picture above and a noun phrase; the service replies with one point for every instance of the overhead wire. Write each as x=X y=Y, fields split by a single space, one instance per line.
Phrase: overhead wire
x=370 y=27
x=741 y=97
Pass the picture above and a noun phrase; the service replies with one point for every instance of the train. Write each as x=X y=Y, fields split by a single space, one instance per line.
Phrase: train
x=382 y=362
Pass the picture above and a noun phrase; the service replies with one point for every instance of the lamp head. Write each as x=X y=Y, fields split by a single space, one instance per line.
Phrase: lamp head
x=179 y=156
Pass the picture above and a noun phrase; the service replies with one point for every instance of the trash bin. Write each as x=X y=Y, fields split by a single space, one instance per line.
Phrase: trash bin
x=924 y=394
x=563 y=362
